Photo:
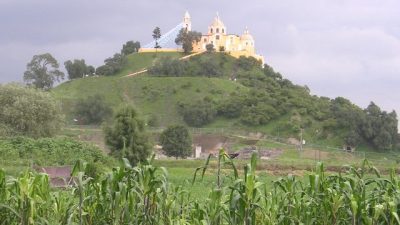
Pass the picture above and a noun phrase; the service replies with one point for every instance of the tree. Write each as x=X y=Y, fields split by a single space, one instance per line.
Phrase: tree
x=209 y=67
x=130 y=47
x=116 y=62
x=210 y=48
x=42 y=71
x=248 y=63
x=112 y=65
x=104 y=70
x=379 y=128
x=78 y=68
x=126 y=136
x=156 y=35
x=92 y=110
x=187 y=38
x=29 y=112
x=176 y=141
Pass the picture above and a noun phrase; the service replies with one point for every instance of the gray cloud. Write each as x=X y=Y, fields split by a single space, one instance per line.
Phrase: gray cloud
x=337 y=48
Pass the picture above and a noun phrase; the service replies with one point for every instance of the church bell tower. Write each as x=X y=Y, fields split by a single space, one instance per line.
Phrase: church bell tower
x=187 y=22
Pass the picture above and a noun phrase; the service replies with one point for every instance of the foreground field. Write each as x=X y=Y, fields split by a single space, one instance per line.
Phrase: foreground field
x=144 y=195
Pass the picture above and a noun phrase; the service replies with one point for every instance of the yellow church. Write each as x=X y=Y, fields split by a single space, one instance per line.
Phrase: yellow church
x=217 y=35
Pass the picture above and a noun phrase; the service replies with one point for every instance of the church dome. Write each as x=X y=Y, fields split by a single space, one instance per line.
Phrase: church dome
x=246 y=36
x=217 y=26
x=217 y=22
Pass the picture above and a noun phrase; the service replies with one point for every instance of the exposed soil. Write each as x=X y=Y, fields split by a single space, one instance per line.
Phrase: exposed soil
x=314 y=154
x=210 y=143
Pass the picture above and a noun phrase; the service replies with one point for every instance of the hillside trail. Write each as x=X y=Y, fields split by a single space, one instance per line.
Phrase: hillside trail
x=145 y=70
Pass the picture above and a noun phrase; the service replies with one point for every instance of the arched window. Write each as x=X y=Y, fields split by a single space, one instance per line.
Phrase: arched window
x=217 y=30
x=211 y=30
x=223 y=30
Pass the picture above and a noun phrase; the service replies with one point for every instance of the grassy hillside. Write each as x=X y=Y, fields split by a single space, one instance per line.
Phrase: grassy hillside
x=140 y=61
x=257 y=99
x=158 y=96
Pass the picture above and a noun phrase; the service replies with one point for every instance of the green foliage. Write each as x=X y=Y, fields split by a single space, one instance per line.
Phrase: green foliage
x=168 y=66
x=42 y=71
x=258 y=97
x=187 y=38
x=208 y=66
x=258 y=115
x=130 y=47
x=198 y=113
x=104 y=70
x=156 y=35
x=379 y=127
x=247 y=63
x=28 y=111
x=210 y=48
x=92 y=110
x=78 y=69
x=50 y=151
x=153 y=121
x=144 y=195
x=232 y=108
x=176 y=141
x=126 y=136
x=112 y=65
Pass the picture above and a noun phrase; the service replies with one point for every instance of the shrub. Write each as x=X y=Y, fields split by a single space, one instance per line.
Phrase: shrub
x=167 y=66
x=51 y=151
x=92 y=110
x=176 y=141
x=126 y=136
x=198 y=113
x=28 y=111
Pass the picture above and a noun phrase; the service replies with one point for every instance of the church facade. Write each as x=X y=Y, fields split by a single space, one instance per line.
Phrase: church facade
x=233 y=44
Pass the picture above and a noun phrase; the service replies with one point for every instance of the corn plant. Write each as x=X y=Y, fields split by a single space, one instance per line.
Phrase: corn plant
x=129 y=195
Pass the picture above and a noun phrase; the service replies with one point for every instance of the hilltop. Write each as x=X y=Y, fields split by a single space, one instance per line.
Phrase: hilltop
x=229 y=93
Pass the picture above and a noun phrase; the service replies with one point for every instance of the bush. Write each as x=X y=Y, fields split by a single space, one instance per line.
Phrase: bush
x=199 y=113
x=51 y=151
x=92 y=110
x=258 y=115
x=153 y=121
x=176 y=141
x=231 y=108
x=28 y=111
x=126 y=136
x=167 y=66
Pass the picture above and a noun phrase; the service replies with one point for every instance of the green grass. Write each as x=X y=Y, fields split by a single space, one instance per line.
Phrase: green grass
x=150 y=95
x=139 y=61
x=160 y=96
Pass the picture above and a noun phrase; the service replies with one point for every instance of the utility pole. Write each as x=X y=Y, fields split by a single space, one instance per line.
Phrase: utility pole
x=301 y=139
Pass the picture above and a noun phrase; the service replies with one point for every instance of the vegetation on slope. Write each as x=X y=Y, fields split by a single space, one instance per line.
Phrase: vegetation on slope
x=23 y=152
x=215 y=88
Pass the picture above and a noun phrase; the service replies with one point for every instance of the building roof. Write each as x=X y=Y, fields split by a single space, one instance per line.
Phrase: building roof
x=246 y=35
x=217 y=22
x=59 y=176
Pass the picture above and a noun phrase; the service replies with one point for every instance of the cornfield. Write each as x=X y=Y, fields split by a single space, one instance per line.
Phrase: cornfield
x=143 y=195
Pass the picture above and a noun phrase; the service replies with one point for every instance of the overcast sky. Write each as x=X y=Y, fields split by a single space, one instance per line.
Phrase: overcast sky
x=348 y=48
